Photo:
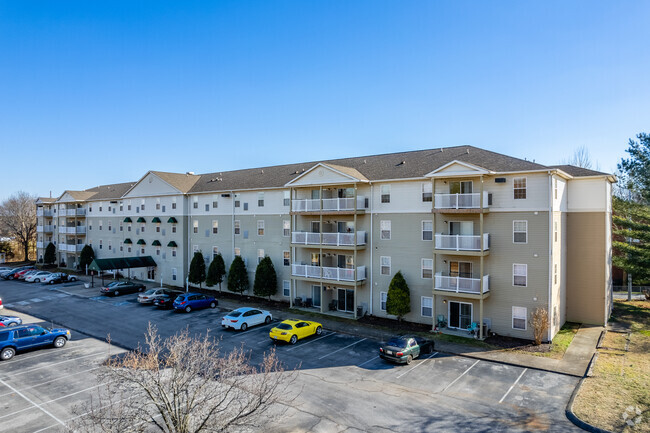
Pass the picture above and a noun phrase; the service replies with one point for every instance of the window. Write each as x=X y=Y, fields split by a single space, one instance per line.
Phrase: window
x=100 y=224
x=128 y=228
x=215 y=201
x=237 y=227
x=174 y=274
x=520 y=188
x=520 y=232
x=427 y=192
x=286 y=228
x=384 y=226
x=519 y=315
x=110 y=247
x=260 y=228
x=245 y=206
x=427 y=268
x=121 y=207
x=157 y=204
x=287 y=198
x=215 y=252
x=142 y=250
x=427 y=230
x=519 y=275
x=195 y=225
x=385 y=265
x=100 y=208
x=383 y=296
x=128 y=249
x=121 y=248
x=157 y=251
x=260 y=199
x=207 y=207
x=174 y=203
x=173 y=228
x=215 y=227
x=286 y=258
x=555 y=188
x=100 y=244
x=157 y=228
x=555 y=231
x=426 y=306
x=385 y=193
x=237 y=202
x=195 y=249
x=173 y=252
x=128 y=205
x=109 y=226
x=121 y=226
x=90 y=209
x=195 y=202
x=142 y=205
x=260 y=255
x=237 y=251
x=286 y=288
x=109 y=207
x=142 y=227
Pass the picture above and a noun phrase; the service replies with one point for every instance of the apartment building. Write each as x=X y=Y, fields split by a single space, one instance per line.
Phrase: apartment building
x=479 y=236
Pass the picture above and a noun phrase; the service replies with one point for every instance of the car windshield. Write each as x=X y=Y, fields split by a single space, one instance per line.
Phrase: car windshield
x=114 y=283
x=234 y=314
x=397 y=342
x=180 y=298
x=284 y=326
x=150 y=292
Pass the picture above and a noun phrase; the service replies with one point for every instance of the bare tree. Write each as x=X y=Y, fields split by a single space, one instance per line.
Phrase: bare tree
x=184 y=384
x=18 y=219
x=580 y=158
x=539 y=322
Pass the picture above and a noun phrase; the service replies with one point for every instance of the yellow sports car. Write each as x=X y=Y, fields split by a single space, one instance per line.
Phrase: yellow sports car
x=292 y=330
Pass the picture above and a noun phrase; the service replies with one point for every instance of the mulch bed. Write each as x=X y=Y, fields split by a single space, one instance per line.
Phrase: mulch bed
x=517 y=343
x=403 y=326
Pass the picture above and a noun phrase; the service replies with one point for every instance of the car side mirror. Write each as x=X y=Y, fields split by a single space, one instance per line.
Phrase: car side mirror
x=44 y=332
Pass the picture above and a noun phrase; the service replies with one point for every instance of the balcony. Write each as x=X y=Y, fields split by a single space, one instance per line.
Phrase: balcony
x=461 y=285
x=44 y=229
x=71 y=248
x=329 y=239
x=334 y=274
x=78 y=230
x=76 y=212
x=462 y=243
x=329 y=204
x=461 y=201
x=39 y=244
x=46 y=213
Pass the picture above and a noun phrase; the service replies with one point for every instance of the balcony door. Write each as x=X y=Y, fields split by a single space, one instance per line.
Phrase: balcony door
x=345 y=227
x=460 y=269
x=315 y=295
x=465 y=228
x=461 y=187
x=460 y=315
x=346 y=300
x=345 y=262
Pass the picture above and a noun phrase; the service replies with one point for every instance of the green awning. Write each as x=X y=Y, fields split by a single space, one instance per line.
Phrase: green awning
x=156 y=220
x=141 y=242
x=122 y=263
x=127 y=220
x=127 y=241
x=172 y=244
x=172 y=220
x=142 y=220
x=156 y=243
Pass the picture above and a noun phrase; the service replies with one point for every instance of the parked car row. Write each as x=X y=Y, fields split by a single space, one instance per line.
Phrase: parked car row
x=32 y=275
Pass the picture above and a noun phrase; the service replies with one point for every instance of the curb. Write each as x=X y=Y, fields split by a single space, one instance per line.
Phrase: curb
x=569 y=407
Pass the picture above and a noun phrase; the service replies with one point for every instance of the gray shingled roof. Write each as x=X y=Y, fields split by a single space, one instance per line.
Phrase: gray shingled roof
x=107 y=192
x=182 y=182
x=401 y=165
x=578 y=171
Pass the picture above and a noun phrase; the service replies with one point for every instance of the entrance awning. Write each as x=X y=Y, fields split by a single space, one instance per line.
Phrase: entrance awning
x=141 y=242
x=156 y=243
x=122 y=263
x=128 y=220
x=172 y=220
x=172 y=244
x=156 y=220
x=142 y=220
x=127 y=241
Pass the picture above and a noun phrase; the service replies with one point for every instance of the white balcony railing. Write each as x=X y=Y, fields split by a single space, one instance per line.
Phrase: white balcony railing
x=39 y=229
x=71 y=248
x=41 y=212
x=461 y=201
x=462 y=242
x=39 y=244
x=46 y=229
x=333 y=239
x=73 y=230
x=76 y=211
x=336 y=274
x=462 y=285
x=329 y=204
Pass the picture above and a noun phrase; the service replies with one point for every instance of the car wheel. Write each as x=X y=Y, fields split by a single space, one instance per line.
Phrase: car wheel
x=51 y=282
x=59 y=342
x=7 y=353
x=293 y=339
x=213 y=305
x=243 y=327
x=267 y=320
x=38 y=280
x=409 y=359
x=116 y=293
x=319 y=330
x=140 y=289
x=73 y=279
x=13 y=324
x=188 y=309
x=10 y=278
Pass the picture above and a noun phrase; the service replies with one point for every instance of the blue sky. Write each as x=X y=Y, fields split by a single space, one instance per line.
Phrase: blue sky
x=96 y=92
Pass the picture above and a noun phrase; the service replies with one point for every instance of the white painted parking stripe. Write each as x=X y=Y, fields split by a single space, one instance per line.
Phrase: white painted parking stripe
x=254 y=328
x=36 y=300
x=365 y=362
x=512 y=386
x=304 y=344
x=342 y=348
x=419 y=364
x=31 y=402
x=57 y=363
x=53 y=380
x=464 y=373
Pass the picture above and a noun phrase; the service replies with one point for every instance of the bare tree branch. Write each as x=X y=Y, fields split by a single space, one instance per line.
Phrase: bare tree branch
x=18 y=219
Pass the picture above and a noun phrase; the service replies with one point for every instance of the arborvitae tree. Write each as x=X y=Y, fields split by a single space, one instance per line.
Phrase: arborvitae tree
x=216 y=272
x=237 y=276
x=266 y=280
x=197 y=269
x=86 y=257
x=398 y=301
x=50 y=254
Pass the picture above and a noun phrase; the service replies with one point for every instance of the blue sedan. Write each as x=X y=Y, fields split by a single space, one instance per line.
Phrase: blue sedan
x=194 y=301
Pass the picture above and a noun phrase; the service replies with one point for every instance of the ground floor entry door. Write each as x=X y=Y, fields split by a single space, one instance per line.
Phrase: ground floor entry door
x=315 y=295
x=346 y=300
x=460 y=315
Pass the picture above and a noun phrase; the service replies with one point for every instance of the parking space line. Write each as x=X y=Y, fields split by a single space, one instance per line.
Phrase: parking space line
x=464 y=373
x=53 y=380
x=416 y=366
x=512 y=386
x=365 y=362
x=45 y=411
x=342 y=348
x=56 y=363
x=257 y=327
x=304 y=344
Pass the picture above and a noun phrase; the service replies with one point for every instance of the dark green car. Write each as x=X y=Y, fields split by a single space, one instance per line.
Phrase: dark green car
x=404 y=349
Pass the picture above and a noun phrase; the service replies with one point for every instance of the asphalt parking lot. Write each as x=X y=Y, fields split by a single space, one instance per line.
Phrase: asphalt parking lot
x=343 y=382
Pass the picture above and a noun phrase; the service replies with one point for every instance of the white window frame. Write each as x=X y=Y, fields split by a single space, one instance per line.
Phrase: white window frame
x=554 y=231
x=195 y=226
x=237 y=251
x=516 y=189
x=215 y=227
x=260 y=199
x=286 y=228
x=286 y=198
x=286 y=258
x=215 y=201
x=195 y=249
x=385 y=262
x=260 y=255
x=519 y=311
x=425 y=268
x=215 y=252
x=525 y=274
x=383 y=298
x=260 y=227
x=384 y=194
x=237 y=227
x=195 y=202
x=422 y=306
x=286 y=286
x=427 y=192
x=385 y=231
x=174 y=274
x=514 y=231
x=430 y=231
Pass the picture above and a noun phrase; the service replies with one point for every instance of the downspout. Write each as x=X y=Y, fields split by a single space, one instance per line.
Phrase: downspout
x=550 y=254
x=371 y=303
x=189 y=242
